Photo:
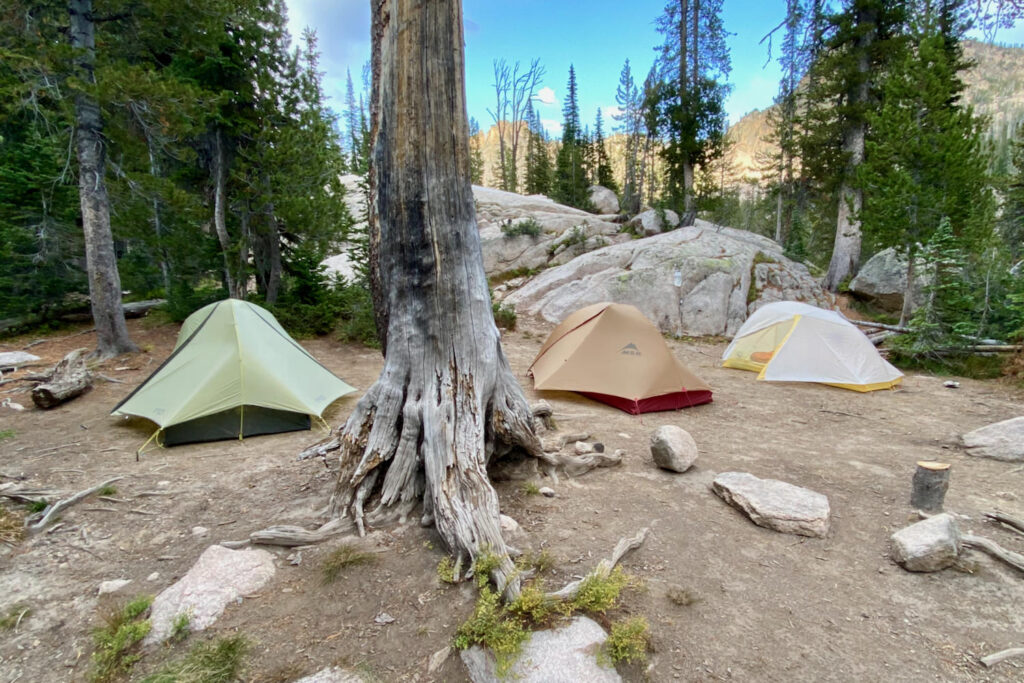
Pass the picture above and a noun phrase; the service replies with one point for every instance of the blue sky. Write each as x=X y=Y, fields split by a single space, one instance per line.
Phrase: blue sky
x=596 y=37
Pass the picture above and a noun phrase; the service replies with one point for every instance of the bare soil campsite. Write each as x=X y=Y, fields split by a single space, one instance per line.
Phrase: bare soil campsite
x=725 y=599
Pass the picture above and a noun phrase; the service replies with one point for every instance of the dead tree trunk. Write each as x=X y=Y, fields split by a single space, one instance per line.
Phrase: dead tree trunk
x=931 y=481
x=446 y=400
x=219 y=216
x=100 y=260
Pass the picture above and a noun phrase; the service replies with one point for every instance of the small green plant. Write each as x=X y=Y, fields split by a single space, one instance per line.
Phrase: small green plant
x=107 y=490
x=37 y=506
x=14 y=616
x=539 y=562
x=181 y=627
x=680 y=597
x=504 y=315
x=117 y=642
x=219 y=661
x=527 y=226
x=531 y=489
x=6 y=434
x=446 y=569
x=575 y=236
x=485 y=563
x=342 y=558
x=628 y=641
x=493 y=627
x=533 y=605
x=599 y=593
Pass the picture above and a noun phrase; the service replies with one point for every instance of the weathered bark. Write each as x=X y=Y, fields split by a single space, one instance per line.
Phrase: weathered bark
x=68 y=379
x=846 y=250
x=220 y=225
x=908 y=294
x=931 y=481
x=100 y=259
x=446 y=400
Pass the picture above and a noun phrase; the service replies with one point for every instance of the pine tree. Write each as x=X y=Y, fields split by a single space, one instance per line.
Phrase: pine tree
x=476 y=155
x=631 y=124
x=1012 y=220
x=538 y=161
x=570 y=181
x=605 y=178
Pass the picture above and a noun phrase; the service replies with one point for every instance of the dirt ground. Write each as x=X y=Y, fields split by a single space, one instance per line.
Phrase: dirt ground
x=769 y=606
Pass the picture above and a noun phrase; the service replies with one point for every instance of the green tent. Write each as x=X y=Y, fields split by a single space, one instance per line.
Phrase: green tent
x=234 y=373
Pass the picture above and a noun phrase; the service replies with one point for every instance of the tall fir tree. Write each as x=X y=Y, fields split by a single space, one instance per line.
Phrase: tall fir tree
x=604 y=175
x=538 y=160
x=631 y=124
x=570 y=181
x=476 y=155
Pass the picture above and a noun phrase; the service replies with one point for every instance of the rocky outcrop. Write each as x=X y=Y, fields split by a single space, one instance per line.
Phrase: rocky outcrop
x=603 y=199
x=520 y=233
x=1000 y=441
x=355 y=201
x=653 y=222
x=882 y=281
x=701 y=280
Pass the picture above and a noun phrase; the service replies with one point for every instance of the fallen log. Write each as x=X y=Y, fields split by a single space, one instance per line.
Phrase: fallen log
x=138 y=309
x=288 y=535
x=68 y=379
x=880 y=326
x=1015 y=560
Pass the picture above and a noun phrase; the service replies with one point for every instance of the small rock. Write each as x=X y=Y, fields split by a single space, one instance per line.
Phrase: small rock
x=547 y=491
x=8 y=403
x=15 y=359
x=295 y=559
x=673 y=448
x=438 y=659
x=384 y=618
x=200 y=531
x=599 y=447
x=775 y=504
x=582 y=448
x=112 y=586
x=950 y=384
x=928 y=546
x=153 y=577
x=508 y=524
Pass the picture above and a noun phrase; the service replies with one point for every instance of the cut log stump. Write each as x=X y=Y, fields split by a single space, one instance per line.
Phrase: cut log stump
x=931 y=480
x=68 y=379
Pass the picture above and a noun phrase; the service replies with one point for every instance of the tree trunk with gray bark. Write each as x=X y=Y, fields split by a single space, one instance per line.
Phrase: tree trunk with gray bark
x=446 y=400
x=100 y=259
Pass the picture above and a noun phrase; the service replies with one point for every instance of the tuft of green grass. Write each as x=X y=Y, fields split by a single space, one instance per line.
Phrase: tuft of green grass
x=539 y=562
x=181 y=627
x=492 y=626
x=218 y=661
x=446 y=569
x=342 y=558
x=527 y=226
x=680 y=597
x=531 y=489
x=599 y=593
x=14 y=616
x=504 y=315
x=117 y=643
x=628 y=641
x=107 y=490
x=6 y=434
x=38 y=506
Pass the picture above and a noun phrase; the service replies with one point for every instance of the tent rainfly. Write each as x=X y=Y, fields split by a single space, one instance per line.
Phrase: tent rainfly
x=788 y=341
x=234 y=373
x=613 y=354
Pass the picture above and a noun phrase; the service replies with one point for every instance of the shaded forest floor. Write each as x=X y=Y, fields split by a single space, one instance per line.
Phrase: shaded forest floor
x=767 y=606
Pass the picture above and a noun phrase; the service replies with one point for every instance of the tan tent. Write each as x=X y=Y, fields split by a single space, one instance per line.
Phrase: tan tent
x=612 y=353
x=234 y=372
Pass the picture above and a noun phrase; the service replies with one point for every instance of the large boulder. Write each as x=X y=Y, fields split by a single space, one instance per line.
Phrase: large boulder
x=882 y=281
x=340 y=263
x=775 y=504
x=567 y=654
x=653 y=222
x=1000 y=441
x=603 y=199
x=673 y=448
x=700 y=280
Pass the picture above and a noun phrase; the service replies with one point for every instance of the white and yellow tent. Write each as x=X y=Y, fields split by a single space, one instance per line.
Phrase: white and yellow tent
x=788 y=341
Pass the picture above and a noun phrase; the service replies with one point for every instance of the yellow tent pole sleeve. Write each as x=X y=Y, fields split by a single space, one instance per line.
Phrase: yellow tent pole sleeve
x=323 y=423
x=143 y=446
x=796 y=321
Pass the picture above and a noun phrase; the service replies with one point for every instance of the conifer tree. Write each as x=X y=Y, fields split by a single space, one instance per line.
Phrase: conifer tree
x=604 y=178
x=631 y=121
x=476 y=155
x=538 y=161
x=570 y=182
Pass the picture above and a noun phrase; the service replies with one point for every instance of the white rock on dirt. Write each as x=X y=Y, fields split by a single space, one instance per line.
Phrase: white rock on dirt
x=603 y=199
x=999 y=441
x=218 y=577
x=699 y=280
x=927 y=546
x=673 y=448
x=562 y=655
x=16 y=359
x=546 y=491
x=112 y=586
x=775 y=504
x=332 y=674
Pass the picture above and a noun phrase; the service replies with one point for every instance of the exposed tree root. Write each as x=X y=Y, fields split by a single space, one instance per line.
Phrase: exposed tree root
x=35 y=524
x=604 y=567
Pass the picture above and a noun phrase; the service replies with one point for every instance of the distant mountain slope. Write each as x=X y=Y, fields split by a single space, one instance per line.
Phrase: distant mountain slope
x=995 y=87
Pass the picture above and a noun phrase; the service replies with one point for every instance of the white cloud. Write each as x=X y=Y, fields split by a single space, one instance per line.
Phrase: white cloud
x=545 y=95
x=552 y=126
x=609 y=112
